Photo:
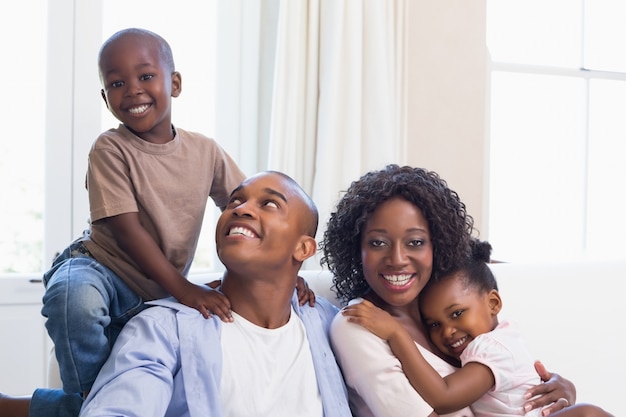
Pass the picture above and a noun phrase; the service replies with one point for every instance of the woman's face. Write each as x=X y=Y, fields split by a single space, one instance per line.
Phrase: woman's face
x=397 y=252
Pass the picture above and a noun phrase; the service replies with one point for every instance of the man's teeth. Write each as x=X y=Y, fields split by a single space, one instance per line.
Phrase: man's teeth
x=240 y=231
x=398 y=279
x=139 y=109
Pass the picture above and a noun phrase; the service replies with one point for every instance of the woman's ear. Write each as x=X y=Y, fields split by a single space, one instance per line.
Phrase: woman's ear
x=305 y=248
x=495 y=302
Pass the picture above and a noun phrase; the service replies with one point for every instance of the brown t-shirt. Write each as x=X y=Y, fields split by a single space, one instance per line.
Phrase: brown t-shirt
x=168 y=185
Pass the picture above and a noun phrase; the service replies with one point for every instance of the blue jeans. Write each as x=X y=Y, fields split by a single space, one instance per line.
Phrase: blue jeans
x=54 y=403
x=86 y=305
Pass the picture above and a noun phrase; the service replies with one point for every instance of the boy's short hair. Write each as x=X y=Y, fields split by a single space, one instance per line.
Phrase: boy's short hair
x=165 y=51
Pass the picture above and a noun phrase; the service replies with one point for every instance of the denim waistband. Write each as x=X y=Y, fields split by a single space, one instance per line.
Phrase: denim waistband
x=79 y=249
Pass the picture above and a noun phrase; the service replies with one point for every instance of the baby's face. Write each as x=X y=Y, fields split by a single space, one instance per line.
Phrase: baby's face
x=455 y=314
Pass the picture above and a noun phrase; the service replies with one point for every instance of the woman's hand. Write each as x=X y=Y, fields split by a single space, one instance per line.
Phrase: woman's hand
x=556 y=392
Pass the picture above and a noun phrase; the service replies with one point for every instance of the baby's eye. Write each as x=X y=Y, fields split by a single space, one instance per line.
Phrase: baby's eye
x=432 y=325
x=146 y=77
x=117 y=84
x=235 y=201
x=457 y=314
x=271 y=203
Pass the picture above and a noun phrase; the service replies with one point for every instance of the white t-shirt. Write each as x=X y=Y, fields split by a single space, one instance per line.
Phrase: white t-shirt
x=268 y=372
x=376 y=382
x=504 y=351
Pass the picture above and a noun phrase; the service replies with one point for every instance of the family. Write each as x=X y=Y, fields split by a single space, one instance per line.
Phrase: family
x=133 y=337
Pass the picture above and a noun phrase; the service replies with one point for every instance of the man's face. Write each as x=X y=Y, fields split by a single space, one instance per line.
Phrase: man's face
x=262 y=224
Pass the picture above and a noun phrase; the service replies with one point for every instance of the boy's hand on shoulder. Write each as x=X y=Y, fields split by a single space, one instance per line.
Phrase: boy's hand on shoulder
x=207 y=301
x=305 y=294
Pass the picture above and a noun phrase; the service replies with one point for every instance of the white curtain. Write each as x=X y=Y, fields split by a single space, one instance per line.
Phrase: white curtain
x=314 y=88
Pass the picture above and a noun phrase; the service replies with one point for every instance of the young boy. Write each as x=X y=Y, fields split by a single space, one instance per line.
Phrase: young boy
x=148 y=185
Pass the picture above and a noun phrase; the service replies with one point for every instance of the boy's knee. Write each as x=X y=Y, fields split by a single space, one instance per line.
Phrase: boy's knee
x=79 y=293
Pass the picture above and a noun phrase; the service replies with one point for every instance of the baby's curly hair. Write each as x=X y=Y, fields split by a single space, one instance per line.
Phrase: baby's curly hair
x=450 y=225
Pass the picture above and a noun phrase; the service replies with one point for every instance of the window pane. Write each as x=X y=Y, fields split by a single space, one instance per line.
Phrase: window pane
x=537 y=166
x=605 y=35
x=607 y=170
x=23 y=27
x=536 y=32
x=193 y=46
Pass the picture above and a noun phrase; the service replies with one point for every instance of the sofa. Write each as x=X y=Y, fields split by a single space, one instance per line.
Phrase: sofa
x=568 y=312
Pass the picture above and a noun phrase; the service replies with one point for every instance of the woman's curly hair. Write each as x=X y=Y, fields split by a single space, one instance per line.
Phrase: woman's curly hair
x=449 y=224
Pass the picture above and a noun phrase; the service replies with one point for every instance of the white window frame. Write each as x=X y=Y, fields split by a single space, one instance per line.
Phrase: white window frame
x=586 y=75
x=72 y=119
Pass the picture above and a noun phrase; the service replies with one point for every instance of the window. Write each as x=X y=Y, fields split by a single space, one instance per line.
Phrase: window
x=557 y=131
x=23 y=119
x=49 y=126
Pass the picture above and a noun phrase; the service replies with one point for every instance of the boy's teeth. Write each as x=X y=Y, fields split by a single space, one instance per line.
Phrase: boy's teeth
x=140 y=109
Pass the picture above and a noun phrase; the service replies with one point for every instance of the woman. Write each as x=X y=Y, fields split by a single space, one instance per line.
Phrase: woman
x=392 y=231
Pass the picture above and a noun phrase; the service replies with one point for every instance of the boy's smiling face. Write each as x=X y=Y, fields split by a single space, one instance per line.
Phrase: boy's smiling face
x=137 y=86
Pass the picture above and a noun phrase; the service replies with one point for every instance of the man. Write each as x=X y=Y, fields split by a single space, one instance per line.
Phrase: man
x=274 y=358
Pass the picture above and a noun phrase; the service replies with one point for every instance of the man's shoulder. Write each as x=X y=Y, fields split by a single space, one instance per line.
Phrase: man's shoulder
x=171 y=315
x=169 y=306
x=326 y=304
x=161 y=312
x=323 y=308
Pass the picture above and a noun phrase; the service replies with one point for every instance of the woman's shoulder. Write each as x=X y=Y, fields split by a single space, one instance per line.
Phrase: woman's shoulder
x=342 y=321
x=351 y=336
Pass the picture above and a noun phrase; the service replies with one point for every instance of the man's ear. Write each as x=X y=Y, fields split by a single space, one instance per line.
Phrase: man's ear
x=495 y=302
x=305 y=248
x=177 y=84
x=104 y=97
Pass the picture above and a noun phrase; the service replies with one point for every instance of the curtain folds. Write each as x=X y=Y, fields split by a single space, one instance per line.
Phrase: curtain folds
x=319 y=88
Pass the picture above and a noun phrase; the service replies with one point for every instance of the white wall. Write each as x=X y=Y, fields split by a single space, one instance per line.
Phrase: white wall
x=448 y=96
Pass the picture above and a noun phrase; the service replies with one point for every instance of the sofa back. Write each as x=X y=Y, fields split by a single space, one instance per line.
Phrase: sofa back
x=569 y=314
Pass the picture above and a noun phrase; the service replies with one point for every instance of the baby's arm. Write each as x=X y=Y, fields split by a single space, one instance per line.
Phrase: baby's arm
x=141 y=247
x=445 y=395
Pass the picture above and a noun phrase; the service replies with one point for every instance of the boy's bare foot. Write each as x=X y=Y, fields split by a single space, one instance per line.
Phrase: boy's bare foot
x=11 y=406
